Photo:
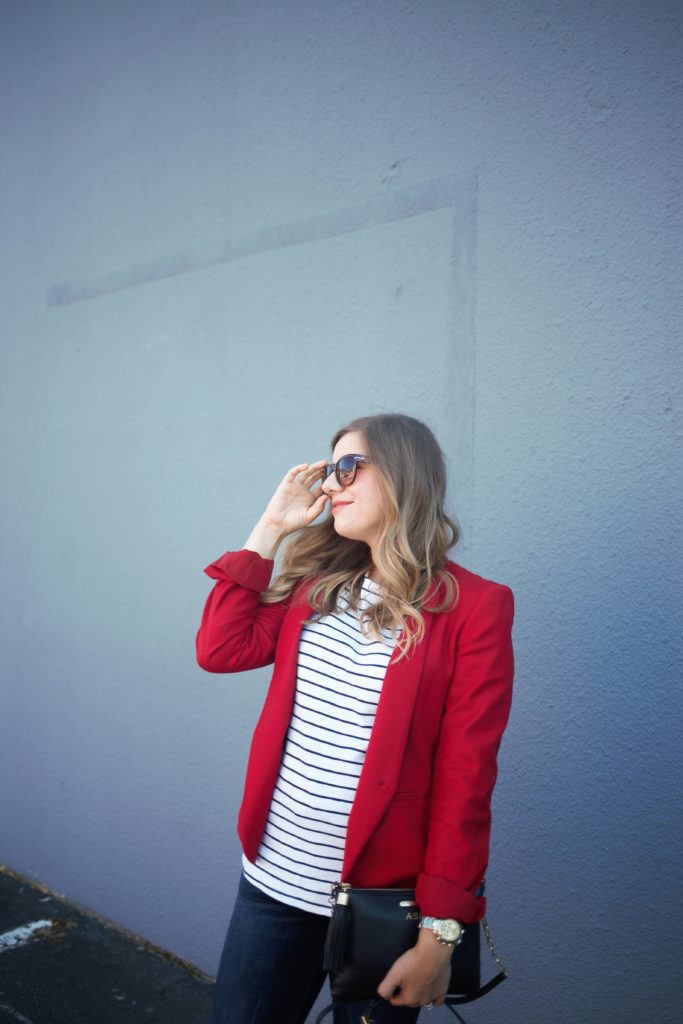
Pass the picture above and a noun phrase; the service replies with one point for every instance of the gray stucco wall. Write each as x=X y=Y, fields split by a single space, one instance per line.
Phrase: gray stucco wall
x=227 y=229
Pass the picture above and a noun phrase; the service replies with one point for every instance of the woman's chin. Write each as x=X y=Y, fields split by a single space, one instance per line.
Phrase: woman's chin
x=345 y=532
x=349 y=535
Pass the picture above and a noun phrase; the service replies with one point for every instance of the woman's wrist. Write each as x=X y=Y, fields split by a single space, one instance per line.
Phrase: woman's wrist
x=428 y=945
x=264 y=539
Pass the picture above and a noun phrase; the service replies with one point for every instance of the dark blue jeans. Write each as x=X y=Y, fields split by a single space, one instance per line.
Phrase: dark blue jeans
x=271 y=967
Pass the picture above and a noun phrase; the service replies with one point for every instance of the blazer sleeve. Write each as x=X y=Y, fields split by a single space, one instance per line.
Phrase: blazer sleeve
x=476 y=713
x=238 y=631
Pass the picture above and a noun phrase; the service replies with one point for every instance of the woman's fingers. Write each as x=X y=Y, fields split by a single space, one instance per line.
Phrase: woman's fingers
x=294 y=471
x=314 y=469
x=305 y=473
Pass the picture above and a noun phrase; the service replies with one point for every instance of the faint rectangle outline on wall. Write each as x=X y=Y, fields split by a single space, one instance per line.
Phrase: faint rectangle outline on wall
x=455 y=192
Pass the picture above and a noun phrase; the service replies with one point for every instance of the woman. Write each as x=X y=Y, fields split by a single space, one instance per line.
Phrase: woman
x=374 y=759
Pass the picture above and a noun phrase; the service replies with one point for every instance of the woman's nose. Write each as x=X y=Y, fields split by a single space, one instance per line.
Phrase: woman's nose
x=331 y=483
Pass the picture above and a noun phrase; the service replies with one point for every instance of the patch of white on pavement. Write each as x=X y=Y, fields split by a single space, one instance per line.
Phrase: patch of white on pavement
x=20 y=936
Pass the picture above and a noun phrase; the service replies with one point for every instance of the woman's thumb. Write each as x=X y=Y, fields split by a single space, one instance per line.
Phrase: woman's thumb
x=317 y=507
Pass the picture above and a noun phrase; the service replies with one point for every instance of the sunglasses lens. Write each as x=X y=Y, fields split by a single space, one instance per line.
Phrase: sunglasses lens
x=346 y=470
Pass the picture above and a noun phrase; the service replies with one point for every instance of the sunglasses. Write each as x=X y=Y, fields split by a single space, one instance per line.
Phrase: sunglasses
x=344 y=469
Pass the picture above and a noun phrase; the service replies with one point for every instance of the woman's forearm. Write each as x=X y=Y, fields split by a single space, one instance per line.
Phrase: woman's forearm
x=264 y=539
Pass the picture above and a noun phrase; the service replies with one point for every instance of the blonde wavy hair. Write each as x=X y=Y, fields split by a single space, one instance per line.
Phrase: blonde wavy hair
x=411 y=547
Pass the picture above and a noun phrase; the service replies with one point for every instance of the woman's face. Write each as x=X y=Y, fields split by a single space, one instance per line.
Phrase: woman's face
x=357 y=509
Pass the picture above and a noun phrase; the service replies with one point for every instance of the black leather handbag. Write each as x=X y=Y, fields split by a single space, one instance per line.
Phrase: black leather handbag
x=369 y=930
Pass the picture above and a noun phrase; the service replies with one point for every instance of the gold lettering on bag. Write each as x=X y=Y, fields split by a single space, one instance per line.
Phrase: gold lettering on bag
x=413 y=916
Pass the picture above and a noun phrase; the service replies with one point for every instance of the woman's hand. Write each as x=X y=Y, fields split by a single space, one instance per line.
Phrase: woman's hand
x=421 y=974
x=293 y=506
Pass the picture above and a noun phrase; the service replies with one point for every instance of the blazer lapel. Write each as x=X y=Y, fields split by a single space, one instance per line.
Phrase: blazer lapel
x=281 y=697
x=380 y=773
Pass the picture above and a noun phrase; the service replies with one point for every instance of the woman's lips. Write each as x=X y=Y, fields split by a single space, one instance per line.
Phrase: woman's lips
x=340 y=504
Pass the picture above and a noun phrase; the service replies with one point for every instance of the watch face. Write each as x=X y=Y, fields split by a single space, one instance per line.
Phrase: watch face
x=449 y=930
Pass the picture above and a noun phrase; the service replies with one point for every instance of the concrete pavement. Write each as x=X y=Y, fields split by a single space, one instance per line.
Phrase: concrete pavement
x=61 y=964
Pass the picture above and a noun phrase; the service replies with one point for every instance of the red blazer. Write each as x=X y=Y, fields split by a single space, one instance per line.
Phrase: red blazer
x=422 y=812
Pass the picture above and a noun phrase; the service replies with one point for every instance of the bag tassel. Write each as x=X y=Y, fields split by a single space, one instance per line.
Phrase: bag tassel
x=337 y=933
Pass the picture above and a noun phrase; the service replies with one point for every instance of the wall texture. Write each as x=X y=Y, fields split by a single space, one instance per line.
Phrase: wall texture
x=229 y=227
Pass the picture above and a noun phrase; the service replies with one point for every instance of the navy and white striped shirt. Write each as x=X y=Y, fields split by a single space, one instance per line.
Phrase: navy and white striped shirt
x=340 y=673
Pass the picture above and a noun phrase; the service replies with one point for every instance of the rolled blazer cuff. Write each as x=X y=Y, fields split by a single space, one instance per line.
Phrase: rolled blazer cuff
x=438 y=897
x=246 y=568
